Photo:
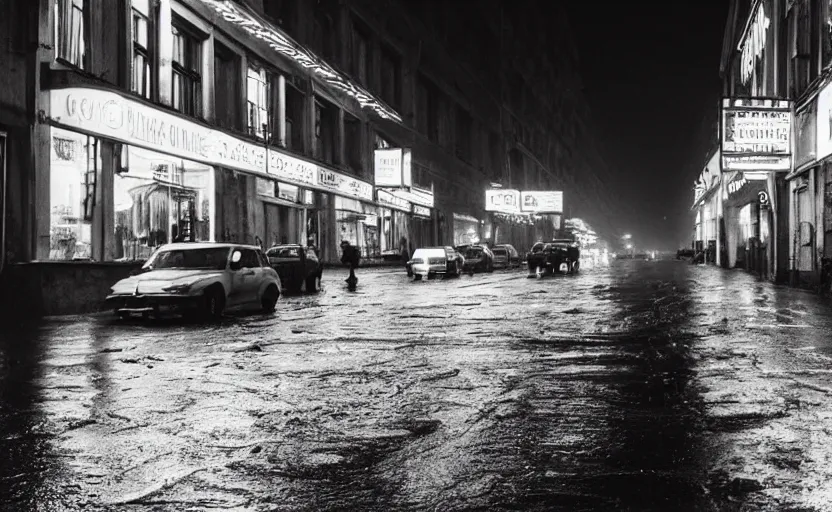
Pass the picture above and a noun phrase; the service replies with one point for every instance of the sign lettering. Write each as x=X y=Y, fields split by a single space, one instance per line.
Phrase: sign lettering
x=107 y=114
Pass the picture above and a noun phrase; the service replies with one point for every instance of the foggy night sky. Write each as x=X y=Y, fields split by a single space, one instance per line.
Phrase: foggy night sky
x=651 y=76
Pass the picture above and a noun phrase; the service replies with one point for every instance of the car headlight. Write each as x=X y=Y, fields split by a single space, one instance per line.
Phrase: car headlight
x=178 y=288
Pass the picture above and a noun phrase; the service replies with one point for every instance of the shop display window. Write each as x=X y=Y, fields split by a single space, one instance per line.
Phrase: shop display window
x=160 y=199
x=72 y=195
x=357 y=223
x=466 y=231
x=394 y=229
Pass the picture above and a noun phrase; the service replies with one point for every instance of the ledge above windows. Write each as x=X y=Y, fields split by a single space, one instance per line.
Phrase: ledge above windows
x=258 y=28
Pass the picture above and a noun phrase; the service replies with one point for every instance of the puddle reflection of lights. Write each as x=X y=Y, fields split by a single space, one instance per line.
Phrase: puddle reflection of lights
x=292 y=50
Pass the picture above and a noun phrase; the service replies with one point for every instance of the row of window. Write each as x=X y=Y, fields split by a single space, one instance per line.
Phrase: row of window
x=269 y=105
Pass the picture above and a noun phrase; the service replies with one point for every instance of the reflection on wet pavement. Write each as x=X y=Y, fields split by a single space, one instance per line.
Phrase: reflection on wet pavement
x=643 y=386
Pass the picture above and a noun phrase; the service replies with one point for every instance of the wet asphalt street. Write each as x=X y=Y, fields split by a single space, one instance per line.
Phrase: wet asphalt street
x=641 y=386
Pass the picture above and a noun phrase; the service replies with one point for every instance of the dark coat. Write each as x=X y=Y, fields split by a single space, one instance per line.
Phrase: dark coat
x=350 y=256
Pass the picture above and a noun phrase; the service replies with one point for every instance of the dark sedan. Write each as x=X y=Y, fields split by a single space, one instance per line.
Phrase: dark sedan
x=506 y=256
x=298 y=266
x=557 y=256
x=478 y=258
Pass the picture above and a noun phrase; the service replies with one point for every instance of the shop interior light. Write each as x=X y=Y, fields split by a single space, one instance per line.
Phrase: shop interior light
x=287 y=47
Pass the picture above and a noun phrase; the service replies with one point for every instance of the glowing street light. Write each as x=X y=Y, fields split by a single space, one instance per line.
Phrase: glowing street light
x=627 y=236
x=629 y=246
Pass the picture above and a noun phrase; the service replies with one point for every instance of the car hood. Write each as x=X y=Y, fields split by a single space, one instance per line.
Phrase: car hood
x=155 y=280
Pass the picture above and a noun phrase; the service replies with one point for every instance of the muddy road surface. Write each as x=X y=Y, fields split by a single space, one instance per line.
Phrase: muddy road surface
x=639 y=386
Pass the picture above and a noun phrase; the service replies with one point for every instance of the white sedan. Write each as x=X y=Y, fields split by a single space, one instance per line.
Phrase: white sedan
x=198 y=278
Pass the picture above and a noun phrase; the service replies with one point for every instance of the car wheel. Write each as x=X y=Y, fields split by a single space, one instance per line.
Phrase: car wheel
x=417 y=277
x=123 y=315
x=313 y=283
x=213 y=303
x=269 y=299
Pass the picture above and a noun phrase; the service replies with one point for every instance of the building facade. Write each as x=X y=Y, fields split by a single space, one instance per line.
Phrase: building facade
x=748 y=213
x=777 y=56
x=268 y=122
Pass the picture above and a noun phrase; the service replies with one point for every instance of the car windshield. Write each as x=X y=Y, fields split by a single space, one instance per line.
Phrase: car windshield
x=214 y=258
x=473 y=253
x=499 y=252
x=284 y=252
x=538 y=248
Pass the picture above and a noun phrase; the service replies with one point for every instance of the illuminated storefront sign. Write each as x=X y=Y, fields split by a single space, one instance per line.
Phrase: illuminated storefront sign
x=109 y=115
x=388 y=199
x=754 y=43
x=502 y=201
x=541 y=201
x=824 y=123
x=345 y=185
x=392 y=167
x=736 y=184
x=284 y=45
x=416 y=196
x=421 y=211
x=756 y=134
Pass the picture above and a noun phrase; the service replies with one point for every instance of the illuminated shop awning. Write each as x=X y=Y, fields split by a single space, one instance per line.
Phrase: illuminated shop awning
x=287 y=47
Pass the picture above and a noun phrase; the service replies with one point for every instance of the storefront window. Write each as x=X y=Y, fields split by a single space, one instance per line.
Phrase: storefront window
x=72 y=184
x=394 y=229
x=357 y=223
x=746 y=228
x=160 y=199
x=466 y=229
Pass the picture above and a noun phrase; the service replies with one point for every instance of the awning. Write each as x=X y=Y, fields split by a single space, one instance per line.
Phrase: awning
x=465 y=218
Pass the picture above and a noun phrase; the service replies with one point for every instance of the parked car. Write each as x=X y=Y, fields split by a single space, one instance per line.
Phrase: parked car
x=557 y=256
x=429 y=261
x=506 y=256
x=198 y=279
x=298 y=267
x=478 y=258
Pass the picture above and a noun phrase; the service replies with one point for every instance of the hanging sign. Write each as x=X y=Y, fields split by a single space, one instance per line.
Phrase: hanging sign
x=502 y=201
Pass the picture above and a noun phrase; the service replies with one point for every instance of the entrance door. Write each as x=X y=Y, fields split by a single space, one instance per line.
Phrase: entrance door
x=805 y=231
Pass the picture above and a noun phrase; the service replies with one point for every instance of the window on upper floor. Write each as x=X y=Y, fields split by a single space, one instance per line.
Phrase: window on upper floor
x=71 y=32
x=804 y=47
x=353 y=142
x=281 y=12
x=826 y=32
x=187 y=70
x=295 y=110
x=227 y=77
x=463 y=136
x=495 y=157
x=361 y=55
x=427 y=109
x=391 y=88
x=141 y=28
x=323 y=35
x=325 y=134
x=257 y=101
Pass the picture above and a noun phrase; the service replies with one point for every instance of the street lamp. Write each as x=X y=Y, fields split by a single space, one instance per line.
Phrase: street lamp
x=629 y=246
x=627 y=236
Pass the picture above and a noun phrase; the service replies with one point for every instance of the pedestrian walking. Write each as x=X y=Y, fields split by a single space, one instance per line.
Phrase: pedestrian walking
x=350 y=257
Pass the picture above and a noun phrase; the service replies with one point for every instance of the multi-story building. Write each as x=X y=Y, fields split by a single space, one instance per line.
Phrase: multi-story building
x=773 y=194
x=740 y=201
x=132 y=123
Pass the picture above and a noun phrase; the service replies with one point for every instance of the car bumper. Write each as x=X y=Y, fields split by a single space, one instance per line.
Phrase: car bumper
x=424 y=269
x=152 y=303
